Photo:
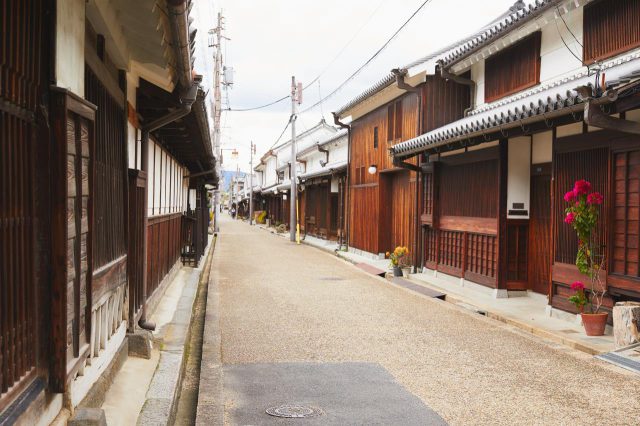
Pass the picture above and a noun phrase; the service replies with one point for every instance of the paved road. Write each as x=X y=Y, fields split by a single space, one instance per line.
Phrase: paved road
x=300 y=326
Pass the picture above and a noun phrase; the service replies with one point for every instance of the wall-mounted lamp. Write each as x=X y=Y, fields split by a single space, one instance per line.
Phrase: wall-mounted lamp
x=284 y=197
x=372 y=169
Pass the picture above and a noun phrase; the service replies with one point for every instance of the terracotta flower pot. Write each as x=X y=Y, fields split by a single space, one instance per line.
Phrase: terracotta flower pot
x=594 y=324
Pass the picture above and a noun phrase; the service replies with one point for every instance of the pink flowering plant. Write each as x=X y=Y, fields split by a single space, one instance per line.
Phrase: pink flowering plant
x=579 y=298
x=583 y=215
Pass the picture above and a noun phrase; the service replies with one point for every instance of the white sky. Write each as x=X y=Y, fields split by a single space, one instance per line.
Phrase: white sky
x=271 y=40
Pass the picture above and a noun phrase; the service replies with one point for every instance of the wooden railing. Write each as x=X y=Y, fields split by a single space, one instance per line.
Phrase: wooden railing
x=164 y=242
x=463 y=254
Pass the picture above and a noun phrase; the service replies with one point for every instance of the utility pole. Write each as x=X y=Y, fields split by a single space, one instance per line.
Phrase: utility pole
x=216 y=42
x=253 y=150
x=293 y=222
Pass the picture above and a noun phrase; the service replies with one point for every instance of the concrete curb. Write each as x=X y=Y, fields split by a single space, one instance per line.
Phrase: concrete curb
x=210 y=409
x=162 y=396
x=533 y=330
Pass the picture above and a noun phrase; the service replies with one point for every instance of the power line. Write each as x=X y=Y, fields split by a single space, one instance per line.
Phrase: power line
x=258 y=107
x=346 y=45
x=321 y=72
x=356 y=72
x=567 y=26
x=565 y=43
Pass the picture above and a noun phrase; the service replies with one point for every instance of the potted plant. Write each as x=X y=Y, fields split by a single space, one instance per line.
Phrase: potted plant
x=583 y=215
x=399 y=259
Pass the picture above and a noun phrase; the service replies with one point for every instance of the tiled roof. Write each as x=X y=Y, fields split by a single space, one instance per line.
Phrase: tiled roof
x=558 y=97
x=496 y=30
x=390 y=78
x=333 y=138
x=326 y=170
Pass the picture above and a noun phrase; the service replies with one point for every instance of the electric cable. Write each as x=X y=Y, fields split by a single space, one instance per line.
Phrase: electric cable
x=567 y=26
x=321 y=72
x=375 y=55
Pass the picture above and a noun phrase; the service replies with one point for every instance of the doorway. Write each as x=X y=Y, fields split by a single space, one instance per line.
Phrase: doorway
x=540 y=229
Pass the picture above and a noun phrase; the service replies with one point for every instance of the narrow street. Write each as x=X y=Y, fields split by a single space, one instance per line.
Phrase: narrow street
x=302 y=327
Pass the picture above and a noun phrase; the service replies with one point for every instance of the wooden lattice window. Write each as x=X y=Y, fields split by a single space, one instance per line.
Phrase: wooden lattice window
x=109 y=215
x=569 y=167
x=514 y=69
x=469 y=189
x=428 y=190
x=626 y=235
x=610 y=27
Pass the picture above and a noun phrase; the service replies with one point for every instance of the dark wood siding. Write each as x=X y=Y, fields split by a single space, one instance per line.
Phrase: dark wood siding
x=610 y=28
x=461 y=210
x=591 y=165
x=626 y=215
x=373 y=225
x=110 y=168
x=470 y=189
x=163 y=242
x=513 y=69
x=444 y=101
x=24 y=193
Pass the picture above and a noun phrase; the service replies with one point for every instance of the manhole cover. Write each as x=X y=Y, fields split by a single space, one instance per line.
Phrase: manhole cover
x=293 y=411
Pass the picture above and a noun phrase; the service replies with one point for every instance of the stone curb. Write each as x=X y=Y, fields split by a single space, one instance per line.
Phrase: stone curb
x=210 y=409
x=162 y=396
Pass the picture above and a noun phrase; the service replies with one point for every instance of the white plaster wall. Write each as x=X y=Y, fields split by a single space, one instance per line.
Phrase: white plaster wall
x=569 y=130
x=519 y=173
x=131 y=146
x=270 y=171
x=339 y=152
x=150 y=182
x=70 y=18
x=541 y=149
x=555 y=60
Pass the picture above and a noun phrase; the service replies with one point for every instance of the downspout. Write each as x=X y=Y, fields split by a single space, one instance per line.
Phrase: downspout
x=400 y=75
x=325 y=151
x=344 y=220
x=460 y=80
x=178 y=18
x=186 y=100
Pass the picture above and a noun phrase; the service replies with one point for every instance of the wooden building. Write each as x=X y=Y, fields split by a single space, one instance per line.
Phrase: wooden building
x=555 y=99
x=322 y=187
x=99 y=175
x=275 y=172
x=382 y=195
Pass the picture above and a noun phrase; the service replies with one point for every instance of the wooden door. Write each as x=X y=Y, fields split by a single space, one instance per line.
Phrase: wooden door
x=540 y=233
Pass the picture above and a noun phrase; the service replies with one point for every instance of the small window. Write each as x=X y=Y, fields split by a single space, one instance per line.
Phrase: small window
x=514 y=69
x=610 y=28
x=390 y=123
x=375 y=137
x=398 y=120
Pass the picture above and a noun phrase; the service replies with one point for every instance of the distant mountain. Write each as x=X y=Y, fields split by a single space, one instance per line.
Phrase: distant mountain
x=227 y=175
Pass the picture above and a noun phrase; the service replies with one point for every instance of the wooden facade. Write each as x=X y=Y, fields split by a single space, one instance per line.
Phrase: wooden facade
x=514 y=69
x=611 y=162
x=380 y=210
x=24 y=198
x=603 y=21
x=321 y=209
x=72 y=233
x=460 y=216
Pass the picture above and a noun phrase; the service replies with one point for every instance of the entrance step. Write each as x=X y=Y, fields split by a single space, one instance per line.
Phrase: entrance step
x=402 y=282
x=371 y=269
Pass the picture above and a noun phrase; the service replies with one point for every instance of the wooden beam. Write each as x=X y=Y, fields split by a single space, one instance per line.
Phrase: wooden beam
x=502 y=214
